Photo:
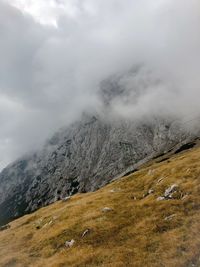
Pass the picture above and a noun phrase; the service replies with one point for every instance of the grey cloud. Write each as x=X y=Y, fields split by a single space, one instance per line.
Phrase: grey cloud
x=49 y=75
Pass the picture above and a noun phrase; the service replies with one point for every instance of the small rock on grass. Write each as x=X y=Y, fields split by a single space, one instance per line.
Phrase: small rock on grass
x=151 y=191
x=170 y=217
x=106 y=209
x=115 y=190
x=160 y=180
x=169 y=193
x=160 y=198
x=65 y=199
x=70 y=243
x=170 y=190
x=85 y=232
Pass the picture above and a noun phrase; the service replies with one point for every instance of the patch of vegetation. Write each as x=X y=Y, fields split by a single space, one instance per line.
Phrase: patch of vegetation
x=137 y=231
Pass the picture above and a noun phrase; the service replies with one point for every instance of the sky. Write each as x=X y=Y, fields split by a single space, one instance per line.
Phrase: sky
x=55 y=53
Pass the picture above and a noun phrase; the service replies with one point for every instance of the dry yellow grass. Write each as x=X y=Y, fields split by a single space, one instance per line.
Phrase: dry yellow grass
x=135 y=233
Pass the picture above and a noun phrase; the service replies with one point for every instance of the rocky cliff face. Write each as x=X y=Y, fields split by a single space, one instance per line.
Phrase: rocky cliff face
x=82 y=157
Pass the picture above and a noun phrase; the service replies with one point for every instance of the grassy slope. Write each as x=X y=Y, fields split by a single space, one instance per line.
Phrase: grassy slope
x=135 y=233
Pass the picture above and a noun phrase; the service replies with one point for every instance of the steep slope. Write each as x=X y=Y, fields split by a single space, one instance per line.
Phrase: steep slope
x=90 y=152
x=152 y=220
x=81 y=158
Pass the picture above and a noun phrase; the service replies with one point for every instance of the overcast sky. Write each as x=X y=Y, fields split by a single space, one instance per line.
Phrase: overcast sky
x=54 y=53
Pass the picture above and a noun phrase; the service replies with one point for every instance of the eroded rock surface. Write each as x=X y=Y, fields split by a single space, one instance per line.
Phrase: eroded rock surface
x=84 y=157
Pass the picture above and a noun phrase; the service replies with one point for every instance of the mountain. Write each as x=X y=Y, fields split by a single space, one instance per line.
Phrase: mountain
x=86 y=155
x=149 y=218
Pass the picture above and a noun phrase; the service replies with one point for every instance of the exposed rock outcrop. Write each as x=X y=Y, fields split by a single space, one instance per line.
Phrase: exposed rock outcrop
x=84 y=157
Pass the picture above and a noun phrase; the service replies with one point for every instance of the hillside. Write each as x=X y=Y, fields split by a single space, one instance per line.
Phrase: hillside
x=152 y=219
x=81 y=158
x=88 y=153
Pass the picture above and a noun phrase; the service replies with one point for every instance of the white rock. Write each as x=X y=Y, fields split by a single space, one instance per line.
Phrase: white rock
x=69 y=243
x=85 y=232
x=169 y=218
x=170 y=190
x=106 y=209
x=66 y=199
x=160 y=180
x=160 y=198
x=115 y=190
x=112 y=191
x=151 y=191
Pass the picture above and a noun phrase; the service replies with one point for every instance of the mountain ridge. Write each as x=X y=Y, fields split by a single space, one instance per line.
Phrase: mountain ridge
x=80 y=159
x=90 y=152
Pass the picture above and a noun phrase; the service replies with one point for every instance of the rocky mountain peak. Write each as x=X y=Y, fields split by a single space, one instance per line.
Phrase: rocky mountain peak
x=85 y=155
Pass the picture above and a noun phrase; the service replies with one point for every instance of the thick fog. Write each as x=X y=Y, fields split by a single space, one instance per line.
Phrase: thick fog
x=55 y=53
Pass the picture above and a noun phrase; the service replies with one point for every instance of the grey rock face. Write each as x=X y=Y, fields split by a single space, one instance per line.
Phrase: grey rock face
x=83 y=157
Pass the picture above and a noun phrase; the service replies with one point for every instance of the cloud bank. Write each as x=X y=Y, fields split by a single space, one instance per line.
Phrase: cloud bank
x=55 y=53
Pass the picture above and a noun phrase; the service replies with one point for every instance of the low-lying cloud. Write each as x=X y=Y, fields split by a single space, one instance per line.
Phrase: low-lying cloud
x=55 y=53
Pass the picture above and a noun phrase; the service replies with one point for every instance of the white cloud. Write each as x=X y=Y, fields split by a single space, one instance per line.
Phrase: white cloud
x=47 y=12
x=48 y=74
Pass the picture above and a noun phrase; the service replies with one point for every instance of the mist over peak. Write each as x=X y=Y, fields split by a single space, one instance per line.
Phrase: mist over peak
x=56 y=56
